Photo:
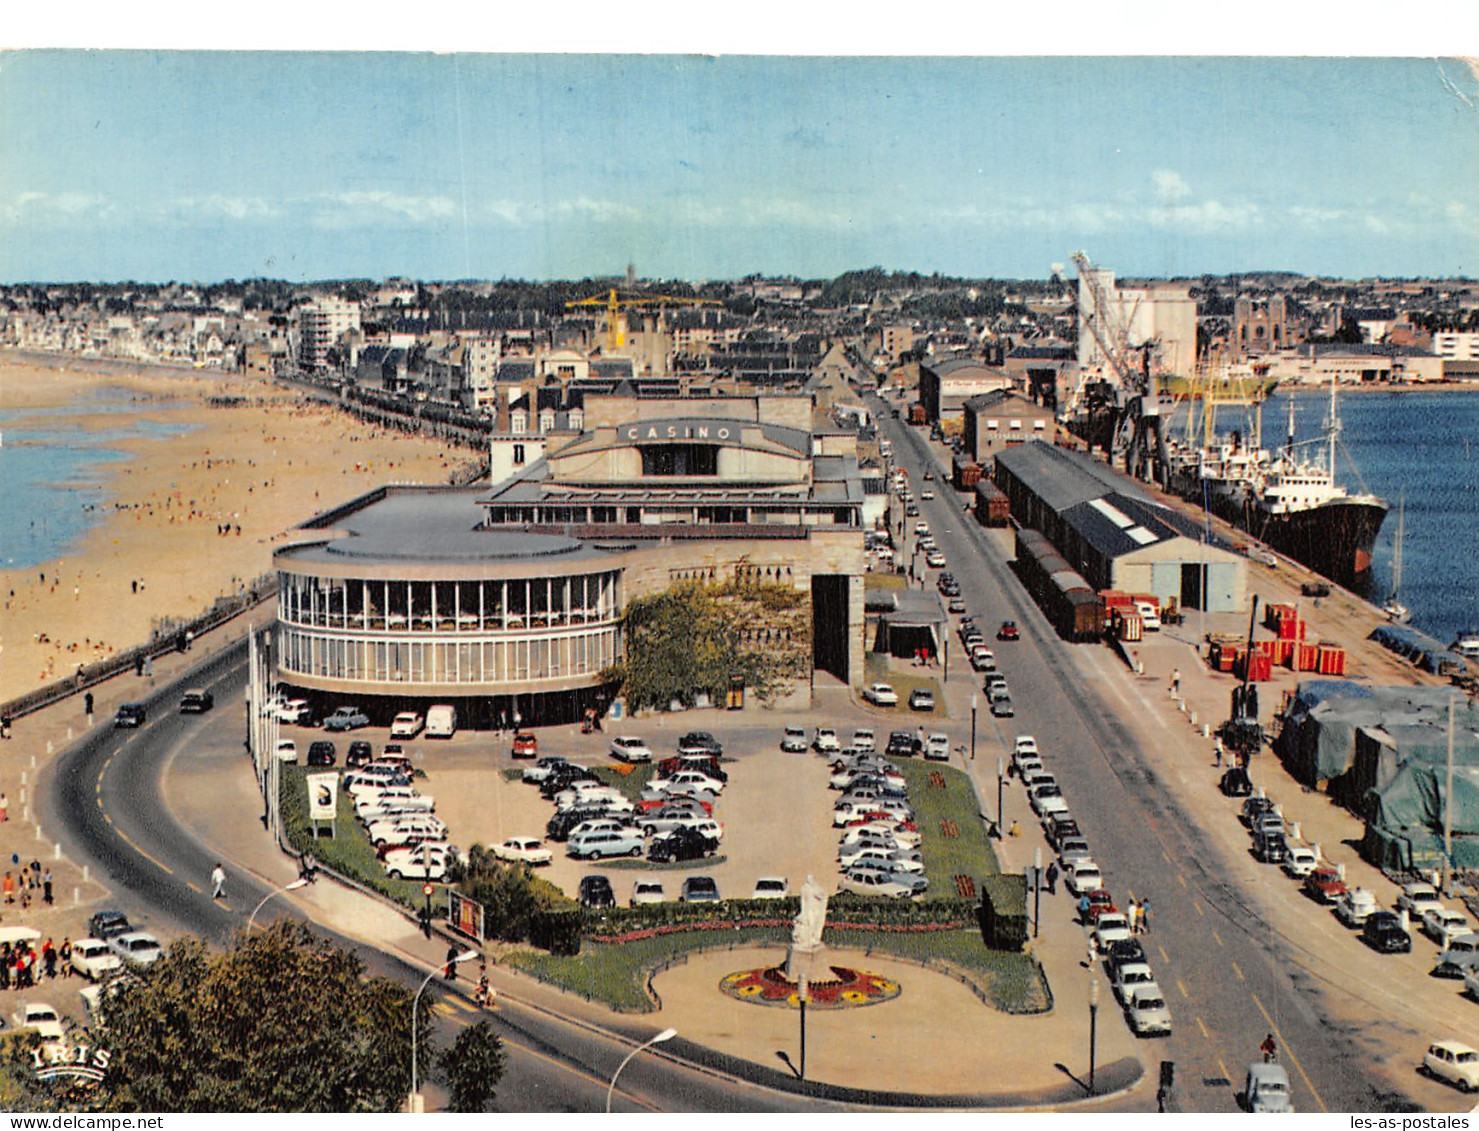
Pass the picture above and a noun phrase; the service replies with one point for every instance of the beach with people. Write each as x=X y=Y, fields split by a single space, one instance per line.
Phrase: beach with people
x=190 y=514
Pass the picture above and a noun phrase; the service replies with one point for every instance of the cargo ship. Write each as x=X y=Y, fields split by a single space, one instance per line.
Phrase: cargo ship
x=1293 y=505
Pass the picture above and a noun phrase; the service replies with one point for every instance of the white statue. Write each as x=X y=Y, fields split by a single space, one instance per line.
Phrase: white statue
x=806 y=930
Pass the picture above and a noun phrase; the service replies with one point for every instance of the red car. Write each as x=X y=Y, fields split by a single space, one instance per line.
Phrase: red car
x=1324 y=884
x=1100 y=903
x=1008 y=631
x=526 y=745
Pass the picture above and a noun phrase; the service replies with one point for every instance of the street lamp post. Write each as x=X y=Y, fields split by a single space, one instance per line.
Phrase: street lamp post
x=973 y=727
x=665 y=1035
x=294 y=886
x=1000 y=780
x=415 y=1103
x=1093 y=1027
x=1036 y=889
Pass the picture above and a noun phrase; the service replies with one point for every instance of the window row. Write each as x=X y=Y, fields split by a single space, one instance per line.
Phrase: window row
x=428 y=661
x=448 y=606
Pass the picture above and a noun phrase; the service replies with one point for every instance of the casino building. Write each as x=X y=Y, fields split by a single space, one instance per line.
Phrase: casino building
x=510 y=597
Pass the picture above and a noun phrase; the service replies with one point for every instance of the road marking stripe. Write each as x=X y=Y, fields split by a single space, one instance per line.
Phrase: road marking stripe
x=1162 y=949
x=1182 y=877
x=1203 y=1028
x=128 y=840
x=1198 y=905
x=1226 y=1075
x=222 y=904
x=189 y=884
x=1180 y=985
x=1238 y=970
x=1218 y=937
x=1294 y=1060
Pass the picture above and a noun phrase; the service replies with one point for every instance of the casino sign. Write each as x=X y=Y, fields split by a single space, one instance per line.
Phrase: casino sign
x=663 y=431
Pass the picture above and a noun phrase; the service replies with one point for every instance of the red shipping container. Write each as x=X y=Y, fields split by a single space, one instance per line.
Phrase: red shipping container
x=1266 y=648
x=1284 y=652
x=1291 y=628
x=1332 y=660
x=1226 y=659
x=1131 y=626
x=1263 y=667
x=1277 y=614
x=1307 y=657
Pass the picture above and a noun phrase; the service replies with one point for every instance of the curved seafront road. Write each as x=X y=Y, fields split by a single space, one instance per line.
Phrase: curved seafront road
x=104 y=798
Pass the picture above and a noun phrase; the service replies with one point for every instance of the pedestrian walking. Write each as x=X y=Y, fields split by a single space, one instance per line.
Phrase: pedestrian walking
x=1269 y=1048
x=1131 y=909
x=46 y=887
x=1175 y=681
x=1144 y=916
x=4 y=808
x=1093 y=955
x=1217 y=751
x=1083 y=909
x=64 y=956
x=7 y=963
x=451 y=972
x=218 y=882
x=1051 y=875
x=87 y=705
x=48 y=958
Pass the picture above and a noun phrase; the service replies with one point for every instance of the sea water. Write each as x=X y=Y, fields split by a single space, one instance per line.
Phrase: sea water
x=1419 y=448
x=53 y=475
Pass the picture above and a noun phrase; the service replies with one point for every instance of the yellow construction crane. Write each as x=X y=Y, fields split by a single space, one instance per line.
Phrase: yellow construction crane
x=615 y=305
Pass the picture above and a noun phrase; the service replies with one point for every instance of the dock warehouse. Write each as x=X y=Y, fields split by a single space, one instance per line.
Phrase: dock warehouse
x=1113 y=533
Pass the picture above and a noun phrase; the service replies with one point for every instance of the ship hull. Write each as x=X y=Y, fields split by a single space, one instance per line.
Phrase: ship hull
x=1333 y=539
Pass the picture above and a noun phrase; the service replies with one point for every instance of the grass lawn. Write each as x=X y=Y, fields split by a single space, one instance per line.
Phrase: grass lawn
x=617 y=973
x=939 y=810
x=904 y=679
x=877 y=580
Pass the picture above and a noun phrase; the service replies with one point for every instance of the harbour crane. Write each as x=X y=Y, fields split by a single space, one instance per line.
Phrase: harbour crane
x=615 y=305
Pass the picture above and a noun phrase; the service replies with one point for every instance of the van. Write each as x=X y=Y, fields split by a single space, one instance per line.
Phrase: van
x=1266 y=1089
x=1460 y=955
x=1150 y=619
x=441 y=721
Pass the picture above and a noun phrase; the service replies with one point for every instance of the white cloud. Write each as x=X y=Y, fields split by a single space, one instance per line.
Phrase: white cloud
x=346 y=209
x=1170 y=185
x=33 y=207
x=217 y=206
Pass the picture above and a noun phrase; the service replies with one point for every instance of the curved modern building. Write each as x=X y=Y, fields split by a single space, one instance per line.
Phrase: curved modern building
x=509 y=599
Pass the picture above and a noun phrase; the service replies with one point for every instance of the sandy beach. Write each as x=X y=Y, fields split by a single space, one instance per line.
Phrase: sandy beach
x=186 y=518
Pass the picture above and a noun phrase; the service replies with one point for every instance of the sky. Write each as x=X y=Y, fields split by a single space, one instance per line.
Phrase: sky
x=200 y=166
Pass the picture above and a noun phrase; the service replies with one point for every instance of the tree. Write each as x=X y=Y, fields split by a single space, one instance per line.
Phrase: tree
x=472 y=1067
x=282 y=1021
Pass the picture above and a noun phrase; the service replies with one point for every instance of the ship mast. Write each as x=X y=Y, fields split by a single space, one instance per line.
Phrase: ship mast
x=1332 y=427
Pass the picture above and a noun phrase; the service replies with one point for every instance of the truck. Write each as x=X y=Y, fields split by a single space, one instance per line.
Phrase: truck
x=441 y=721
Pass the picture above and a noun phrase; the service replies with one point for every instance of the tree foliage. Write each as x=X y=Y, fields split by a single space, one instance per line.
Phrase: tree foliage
x=691 y=639
x=471 y=1068
x=513 y=900
x=283 y=1021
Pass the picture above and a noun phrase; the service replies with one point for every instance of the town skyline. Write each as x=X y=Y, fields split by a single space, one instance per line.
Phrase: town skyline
x=311 y=167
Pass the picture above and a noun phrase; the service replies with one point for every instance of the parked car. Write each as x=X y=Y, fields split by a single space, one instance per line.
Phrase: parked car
x=1125 y=952
x=360 y=753
x=867 y=880
x=1269 y=847
x=603 y=844
x=881 y=695
x=771 y=887
x=793 y=740
x=826 y=741
x=892 y=859
x=523 y=850
x=394 y=799
x=542 y=768
x=407 y=829
x=41 y=1018
x=1147 y=1012
x=1124 y=977
x=1383 y=933
x=1417 y=898
x=321 y=753
x=646 y=891
x=1025 y=744
x=1008 y=631
x=373 y=778
x=1453 y=1063
x=902 y=744
x=1299 y=861
x=196 y=702
x=955 y=605
x=92 y=958
x=427 y=861
x=106 y=924
x=595 y=891
x=1236 y=783
x=1458 y=956
x=1002 y=708
x=1111 y=928
x=627 y=748
x=1324 y=884
x=937 y=748
x=137 y=948
x=921 y=700
x=1441 y=924
x=525 y=745
x=699 y=889
x=407 y=724
x=286 y=751
x=346 y=718
x=681 y=844
x=1060 y=828
x=1073 y=849
x=700 y=742
x=1266 y=1089
x=1047 y=798
x=689 y=782
x=1084 y=877
x=1355 y=907
x=1255 y=807
x=863 y=739
x=130 y=715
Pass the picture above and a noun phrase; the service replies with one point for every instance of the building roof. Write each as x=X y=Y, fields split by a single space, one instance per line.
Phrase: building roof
x=1116 y=525
x=1063 y=479
x=984 y=402
x=1043 y=353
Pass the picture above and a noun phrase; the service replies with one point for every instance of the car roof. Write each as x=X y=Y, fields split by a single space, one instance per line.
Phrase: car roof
x=1451 y=1046
x=1268 y=1073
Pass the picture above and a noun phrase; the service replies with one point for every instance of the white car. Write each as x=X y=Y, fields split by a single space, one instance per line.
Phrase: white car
x=935 y=560
x=408 y=724
x=1127 y=977
x=410 y=828
x=92 y=959
x=903 y=835
x=894 y=860
x=1441 y=924
x=937 y=748
x=1048 y=799
x=425 y=861
x=1084 y=877
x=291 y=711
x=647 y=891
x=921 y=528
x=843 y=778
x=1109 y=928
x=793 y=740
x=287 y=750
x=863 y=740
x=398 y=799
x=771 y=887
x=1147 y=1011
x=1299 y=861
x=1453 y=1063
x=1355 y=907
x=983 y=659
x=629 y=749
x=1025 y=744
x=826 y=741
x=1418 y=898
x=137 y=948
x=542 y=769
x=588 y=793
x=523 y=850
x=41 y=1018
x=881 y=695
x=926 y=495
x=689 y=782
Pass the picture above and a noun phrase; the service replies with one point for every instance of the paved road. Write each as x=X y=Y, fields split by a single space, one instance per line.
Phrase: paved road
x=105 y=796
x=1228 y=980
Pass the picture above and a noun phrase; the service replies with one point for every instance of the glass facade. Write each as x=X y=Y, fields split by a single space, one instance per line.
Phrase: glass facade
x=514 y=630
